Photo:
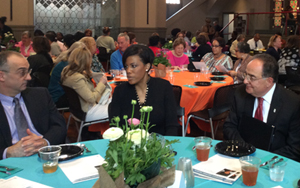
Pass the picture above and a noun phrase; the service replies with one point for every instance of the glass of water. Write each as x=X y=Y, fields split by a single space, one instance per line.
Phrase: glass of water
x=276 y=169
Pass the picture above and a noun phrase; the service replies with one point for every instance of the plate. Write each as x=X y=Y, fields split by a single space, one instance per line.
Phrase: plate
x=194 y=70
x=119 y=82
x=217 y=73
x=217 y=78
x=235 y=148
x=202 y=83
x=69 y=152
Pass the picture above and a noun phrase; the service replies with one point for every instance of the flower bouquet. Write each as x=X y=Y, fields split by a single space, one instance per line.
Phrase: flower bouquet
x=160 y=63
x=134 y=155
x=168 y=45
x=9 y=42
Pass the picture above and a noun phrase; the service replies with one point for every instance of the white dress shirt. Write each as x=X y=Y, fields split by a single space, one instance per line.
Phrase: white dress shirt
x=251 y=43
x=266 y=104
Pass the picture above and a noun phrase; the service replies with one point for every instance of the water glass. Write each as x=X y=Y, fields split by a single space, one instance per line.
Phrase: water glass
x=250 y=166
x=202 y=145
x=49 y=156
x=196 y=77
x=276 y=169
x=185 y=165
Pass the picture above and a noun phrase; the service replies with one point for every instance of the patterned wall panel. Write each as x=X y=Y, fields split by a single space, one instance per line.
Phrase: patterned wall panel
x=70 y=16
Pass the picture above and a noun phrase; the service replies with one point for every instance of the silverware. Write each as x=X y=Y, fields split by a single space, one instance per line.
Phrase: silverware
x=265 y=163
x=281 y=159
x=5 y=172
x=6 y=168
x=86 y=149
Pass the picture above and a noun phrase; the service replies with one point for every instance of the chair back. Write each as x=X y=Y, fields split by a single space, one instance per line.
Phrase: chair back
x=177 y=90
x=293 y=75
x=74 y=103
x=222 y=100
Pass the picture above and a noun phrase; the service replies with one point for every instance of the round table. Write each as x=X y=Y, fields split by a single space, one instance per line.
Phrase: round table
x=32 y=167
x=193 y=99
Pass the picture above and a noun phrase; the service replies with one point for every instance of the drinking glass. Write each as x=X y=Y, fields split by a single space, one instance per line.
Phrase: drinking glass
x=49 y=156
x=196 y=77
x=185 y=165
x=250 y=166
x=203 y=145
x=276 y=169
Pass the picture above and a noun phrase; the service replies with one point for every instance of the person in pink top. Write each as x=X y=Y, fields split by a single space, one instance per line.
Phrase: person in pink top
x=176 y=57
x=25 y=44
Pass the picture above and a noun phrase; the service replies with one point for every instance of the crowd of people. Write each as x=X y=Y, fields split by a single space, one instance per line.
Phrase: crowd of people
x=72 y=60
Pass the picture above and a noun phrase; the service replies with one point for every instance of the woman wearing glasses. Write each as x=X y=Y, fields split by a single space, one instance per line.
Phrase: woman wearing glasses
x=217 y=59
x=274 y=46
x=242 y=53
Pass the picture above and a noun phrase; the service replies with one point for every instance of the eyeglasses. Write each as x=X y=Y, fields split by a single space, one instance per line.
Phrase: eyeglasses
x=215 y=46
x=22 y=73
x=251 y=78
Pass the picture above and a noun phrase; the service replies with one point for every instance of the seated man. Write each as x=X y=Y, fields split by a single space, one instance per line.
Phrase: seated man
x=261 y=98
x=29 y=119
x=116 y=57
x=255 y=43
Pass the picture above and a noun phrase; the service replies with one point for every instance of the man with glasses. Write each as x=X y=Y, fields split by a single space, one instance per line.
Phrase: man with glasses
x=265 y=101
x=29 y=119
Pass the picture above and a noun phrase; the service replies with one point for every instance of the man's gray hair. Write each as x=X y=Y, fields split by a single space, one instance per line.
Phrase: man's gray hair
x=124 y=35
x=270 y=66
x=4 y=56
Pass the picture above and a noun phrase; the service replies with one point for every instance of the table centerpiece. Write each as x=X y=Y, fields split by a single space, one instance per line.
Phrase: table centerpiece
x=160 y=63
x=10 y=42
x=134 y=157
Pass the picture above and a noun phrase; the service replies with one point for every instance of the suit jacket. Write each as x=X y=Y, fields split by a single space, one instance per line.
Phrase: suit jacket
x=284 y=114
x=44 y=116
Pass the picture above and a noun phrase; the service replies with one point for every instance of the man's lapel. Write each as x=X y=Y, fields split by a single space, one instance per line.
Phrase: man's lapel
x=30 y=106
x=249 y=103
x=4 y=126
x=275 y=106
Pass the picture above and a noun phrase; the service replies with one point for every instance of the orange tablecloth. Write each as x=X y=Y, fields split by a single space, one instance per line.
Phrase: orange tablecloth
x=193 y=99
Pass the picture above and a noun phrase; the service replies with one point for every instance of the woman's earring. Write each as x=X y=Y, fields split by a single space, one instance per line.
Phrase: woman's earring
x=146 y=70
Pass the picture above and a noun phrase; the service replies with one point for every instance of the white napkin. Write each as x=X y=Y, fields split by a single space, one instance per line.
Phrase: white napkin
x=82 y=169
x=16 y=181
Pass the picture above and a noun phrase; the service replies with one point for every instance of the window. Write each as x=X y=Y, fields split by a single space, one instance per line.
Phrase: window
x=173 y=1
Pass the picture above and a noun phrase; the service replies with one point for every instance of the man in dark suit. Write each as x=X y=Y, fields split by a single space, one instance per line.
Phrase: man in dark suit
x=261 y=98
x=29 y=119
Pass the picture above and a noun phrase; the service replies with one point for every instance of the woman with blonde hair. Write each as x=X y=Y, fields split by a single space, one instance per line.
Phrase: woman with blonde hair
x=78 y=76
x=56 y=91
x=274 y=46
x=91 y=45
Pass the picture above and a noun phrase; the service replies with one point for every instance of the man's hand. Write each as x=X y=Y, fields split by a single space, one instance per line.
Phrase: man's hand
x=27 y=146
x=32 y=143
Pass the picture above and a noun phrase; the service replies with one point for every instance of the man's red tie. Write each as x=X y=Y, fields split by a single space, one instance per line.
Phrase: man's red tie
x=258 y=112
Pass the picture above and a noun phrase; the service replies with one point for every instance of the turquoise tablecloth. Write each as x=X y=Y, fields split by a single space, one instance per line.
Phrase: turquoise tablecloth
x=32 y=168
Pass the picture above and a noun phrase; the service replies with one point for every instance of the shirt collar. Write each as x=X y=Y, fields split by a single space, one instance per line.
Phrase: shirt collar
x=6 y=100
x=268 y=96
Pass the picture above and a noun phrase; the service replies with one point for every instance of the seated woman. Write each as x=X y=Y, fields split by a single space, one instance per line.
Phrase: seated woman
x=217 y=59
x=41 y=59
x=290 y=54
x=106 y=41
x=91 y=45
x=203 y=47
x=176 y=56
x=239 y=69
x=147 y=91
x=25 y=44
x=56 y=91
x=154 y=44
x=274 y=46
x=78 y=76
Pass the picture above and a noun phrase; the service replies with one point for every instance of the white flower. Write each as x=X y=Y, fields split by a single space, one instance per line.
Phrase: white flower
x=113 y=133
x=5 y=34
x=135 y=136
